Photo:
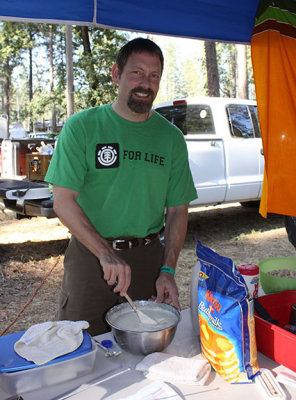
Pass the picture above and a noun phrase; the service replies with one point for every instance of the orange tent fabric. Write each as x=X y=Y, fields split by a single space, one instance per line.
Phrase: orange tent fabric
x=273 y=47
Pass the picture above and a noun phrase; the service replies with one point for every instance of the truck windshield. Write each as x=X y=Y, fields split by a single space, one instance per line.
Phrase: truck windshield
x=190 y=119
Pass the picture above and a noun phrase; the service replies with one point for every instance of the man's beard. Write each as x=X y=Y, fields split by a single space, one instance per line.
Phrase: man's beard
x=139 y=106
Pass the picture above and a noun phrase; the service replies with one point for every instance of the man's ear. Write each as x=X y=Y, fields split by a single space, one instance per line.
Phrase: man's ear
x=115 y=74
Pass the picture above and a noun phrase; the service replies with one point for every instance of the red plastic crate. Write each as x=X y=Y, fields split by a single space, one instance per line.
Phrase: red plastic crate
x=272 y=340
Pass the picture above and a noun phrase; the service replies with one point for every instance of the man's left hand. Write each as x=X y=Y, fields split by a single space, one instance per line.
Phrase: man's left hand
x=167 y=291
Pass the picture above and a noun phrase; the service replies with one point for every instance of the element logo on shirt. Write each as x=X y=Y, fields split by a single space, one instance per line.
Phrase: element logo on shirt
x=107 y=155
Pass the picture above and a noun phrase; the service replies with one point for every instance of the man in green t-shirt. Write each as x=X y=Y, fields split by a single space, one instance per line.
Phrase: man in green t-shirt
x=115 y=171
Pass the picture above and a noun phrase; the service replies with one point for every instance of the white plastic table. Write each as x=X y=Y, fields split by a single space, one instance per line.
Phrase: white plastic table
x=113 y=379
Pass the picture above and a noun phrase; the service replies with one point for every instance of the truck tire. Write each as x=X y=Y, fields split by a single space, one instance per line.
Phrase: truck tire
x=290 y=224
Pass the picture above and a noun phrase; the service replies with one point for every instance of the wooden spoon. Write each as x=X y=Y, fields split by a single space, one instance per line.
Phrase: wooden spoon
x=144 y=319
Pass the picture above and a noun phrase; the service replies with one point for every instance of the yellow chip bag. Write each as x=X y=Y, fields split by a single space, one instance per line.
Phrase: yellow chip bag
x=226 y=318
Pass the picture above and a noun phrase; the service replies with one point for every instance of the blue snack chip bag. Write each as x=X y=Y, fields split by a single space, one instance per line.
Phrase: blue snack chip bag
x=226 y=318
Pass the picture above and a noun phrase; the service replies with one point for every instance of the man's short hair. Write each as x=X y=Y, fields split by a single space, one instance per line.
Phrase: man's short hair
x=137 y=45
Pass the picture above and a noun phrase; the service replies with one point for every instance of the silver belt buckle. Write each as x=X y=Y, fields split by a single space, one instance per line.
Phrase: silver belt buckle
x=114 y=243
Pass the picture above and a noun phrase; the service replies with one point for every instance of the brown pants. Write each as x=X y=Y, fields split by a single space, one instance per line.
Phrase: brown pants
x=85 y=295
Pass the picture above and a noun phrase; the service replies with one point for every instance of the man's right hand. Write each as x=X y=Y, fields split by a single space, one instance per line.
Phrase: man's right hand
x=71 y=214
x=116 y=271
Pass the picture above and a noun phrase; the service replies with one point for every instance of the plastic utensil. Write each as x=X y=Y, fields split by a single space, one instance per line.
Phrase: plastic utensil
x=269 y=386
x=108 y=352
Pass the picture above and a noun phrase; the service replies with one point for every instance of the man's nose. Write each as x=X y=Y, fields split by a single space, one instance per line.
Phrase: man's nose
x=145 y=82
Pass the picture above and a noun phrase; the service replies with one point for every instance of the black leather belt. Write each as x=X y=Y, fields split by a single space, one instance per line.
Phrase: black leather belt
x=129 y=243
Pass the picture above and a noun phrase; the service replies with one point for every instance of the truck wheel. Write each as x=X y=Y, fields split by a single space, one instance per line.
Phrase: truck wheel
x=290 y=224
x=255 y=203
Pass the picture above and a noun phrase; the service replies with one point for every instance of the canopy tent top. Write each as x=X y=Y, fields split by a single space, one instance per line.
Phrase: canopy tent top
x=229 y=20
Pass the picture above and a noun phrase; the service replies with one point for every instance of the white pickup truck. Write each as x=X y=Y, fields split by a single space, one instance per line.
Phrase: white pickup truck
x=224 y=145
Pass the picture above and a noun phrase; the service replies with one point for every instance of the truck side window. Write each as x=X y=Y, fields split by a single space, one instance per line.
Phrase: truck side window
x=199 y=120
x=241 y=124
x=176 y=115
x=190 y=119
x=254 y=116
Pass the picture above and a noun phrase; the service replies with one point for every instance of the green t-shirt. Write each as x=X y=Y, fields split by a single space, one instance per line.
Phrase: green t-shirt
x=126 y=172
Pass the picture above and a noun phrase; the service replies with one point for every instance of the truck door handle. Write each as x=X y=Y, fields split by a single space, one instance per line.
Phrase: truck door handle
x=212 y=143
x=262 y=152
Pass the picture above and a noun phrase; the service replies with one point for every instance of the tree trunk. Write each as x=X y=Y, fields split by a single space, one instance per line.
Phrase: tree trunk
x=233 y=74
x=51 y=80
x=242 y=73
x=212 y=69
x=69 y=67
x=90 y=71
x=31 y=128
x=6 y=91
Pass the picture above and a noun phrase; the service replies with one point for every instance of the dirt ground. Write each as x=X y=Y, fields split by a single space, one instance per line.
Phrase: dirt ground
x=32 y=250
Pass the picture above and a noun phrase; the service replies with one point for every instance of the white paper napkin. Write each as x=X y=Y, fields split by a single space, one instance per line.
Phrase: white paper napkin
x=174 y=369
x=43 y=342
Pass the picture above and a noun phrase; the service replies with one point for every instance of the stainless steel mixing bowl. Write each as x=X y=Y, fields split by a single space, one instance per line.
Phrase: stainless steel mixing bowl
x=144 y=342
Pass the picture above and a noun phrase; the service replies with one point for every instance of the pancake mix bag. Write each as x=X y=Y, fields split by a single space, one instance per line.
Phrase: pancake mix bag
x=226 y=318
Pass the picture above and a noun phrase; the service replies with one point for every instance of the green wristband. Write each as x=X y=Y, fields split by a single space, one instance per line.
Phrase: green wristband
x=167 y=269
